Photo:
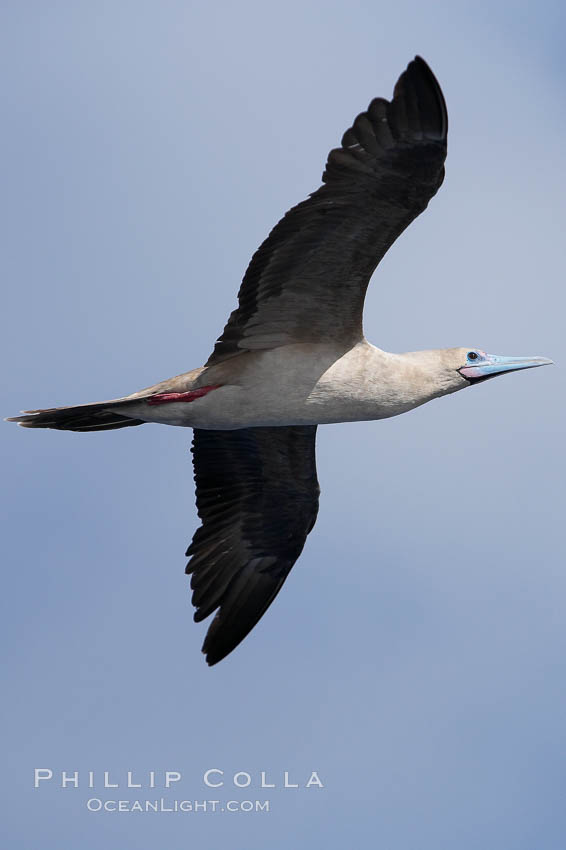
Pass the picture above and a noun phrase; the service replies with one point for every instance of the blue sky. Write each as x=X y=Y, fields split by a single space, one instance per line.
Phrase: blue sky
x=415 y=657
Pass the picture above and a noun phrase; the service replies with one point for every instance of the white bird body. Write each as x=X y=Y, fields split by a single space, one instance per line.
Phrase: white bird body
x=306 y=384
x=293 y=356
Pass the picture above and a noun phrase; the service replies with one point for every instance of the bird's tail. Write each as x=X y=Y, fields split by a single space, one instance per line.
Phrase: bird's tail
x=100 y=416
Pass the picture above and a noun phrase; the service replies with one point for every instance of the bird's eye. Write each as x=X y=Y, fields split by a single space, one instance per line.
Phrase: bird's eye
x=473 y=355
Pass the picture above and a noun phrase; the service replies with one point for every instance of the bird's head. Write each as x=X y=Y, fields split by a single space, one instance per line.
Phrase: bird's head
x=475 y=365
x=437 y=372
x=446 y=370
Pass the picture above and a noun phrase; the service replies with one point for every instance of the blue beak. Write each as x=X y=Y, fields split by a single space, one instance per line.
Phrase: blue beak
x=493 y=364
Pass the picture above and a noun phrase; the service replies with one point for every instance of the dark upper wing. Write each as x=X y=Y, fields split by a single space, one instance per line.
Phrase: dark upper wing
x=257 y=497
x=307 y=282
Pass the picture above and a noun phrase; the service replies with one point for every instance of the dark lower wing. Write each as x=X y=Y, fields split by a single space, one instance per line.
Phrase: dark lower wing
x=257 y=496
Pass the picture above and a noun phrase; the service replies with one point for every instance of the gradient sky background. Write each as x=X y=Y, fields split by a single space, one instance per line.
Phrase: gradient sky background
x=416 y=656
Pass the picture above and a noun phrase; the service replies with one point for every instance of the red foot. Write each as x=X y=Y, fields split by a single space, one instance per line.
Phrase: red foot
x=165 y=398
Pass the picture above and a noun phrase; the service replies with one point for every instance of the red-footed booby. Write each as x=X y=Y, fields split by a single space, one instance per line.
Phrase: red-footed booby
x=293 y=356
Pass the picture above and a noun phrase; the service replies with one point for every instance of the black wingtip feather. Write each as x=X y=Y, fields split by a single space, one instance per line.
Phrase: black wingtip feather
x=425 y=75
x=246 y=602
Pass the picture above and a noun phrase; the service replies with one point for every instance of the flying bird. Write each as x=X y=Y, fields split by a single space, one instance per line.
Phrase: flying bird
x=293 y=356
